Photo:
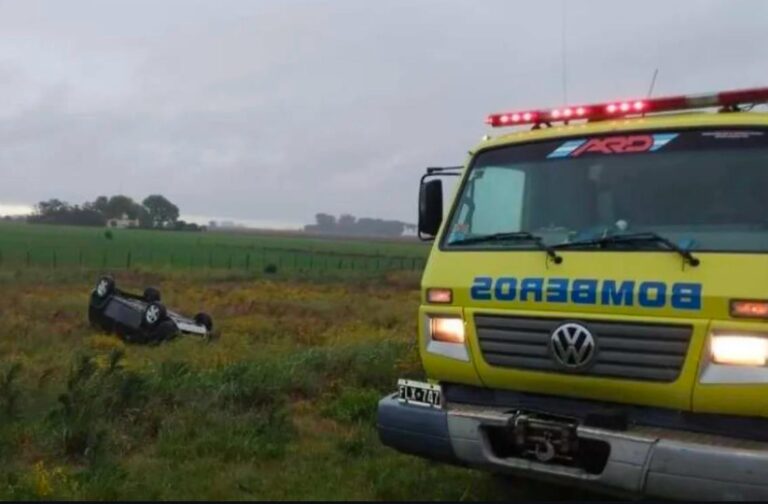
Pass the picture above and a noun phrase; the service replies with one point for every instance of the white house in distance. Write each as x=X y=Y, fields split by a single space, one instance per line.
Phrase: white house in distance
x=123 y=222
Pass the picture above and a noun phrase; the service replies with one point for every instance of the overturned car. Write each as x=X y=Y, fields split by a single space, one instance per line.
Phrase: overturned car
x=140 y=318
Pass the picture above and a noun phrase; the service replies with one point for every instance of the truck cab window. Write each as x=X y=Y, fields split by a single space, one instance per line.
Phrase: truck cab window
x=499 y=191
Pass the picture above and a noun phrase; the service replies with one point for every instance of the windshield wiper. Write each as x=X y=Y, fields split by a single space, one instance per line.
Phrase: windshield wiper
x=522 y=236
x=649 y=237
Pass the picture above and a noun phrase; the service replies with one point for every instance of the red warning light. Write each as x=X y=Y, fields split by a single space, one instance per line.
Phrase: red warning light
x=730 y=99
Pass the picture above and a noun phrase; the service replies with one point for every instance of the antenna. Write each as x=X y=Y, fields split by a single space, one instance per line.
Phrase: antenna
x=653 y=82
x=563 y=54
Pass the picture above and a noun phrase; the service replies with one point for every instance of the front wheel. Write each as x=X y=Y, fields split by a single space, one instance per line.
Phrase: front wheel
x=154 y=313
x=104 y=287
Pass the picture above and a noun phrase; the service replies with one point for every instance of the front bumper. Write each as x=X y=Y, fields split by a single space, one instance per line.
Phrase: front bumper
x=642 y=460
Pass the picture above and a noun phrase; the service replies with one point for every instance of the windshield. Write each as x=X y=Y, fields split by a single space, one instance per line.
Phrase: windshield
x=702 y=189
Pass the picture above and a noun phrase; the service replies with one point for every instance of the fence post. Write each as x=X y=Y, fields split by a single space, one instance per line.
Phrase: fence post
x=128 y=260
x=247 y=261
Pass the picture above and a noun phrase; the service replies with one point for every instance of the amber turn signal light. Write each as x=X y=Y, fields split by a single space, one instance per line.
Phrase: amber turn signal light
x=749 y=308
x=439 y=296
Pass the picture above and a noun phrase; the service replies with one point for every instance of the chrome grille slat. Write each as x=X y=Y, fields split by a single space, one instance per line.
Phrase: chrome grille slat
x=665 y=333
x=668 y=361
x=656 y=347
x=651 y=352
x=510 y=349
x=516 y=336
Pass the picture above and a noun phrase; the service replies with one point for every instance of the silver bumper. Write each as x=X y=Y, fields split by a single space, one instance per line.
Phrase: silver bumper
x=643 y=461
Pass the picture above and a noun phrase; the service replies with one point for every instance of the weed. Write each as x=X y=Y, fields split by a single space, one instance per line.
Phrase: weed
x=282 y=407
x=92 y=398
x=9 y=391
x=354 y=405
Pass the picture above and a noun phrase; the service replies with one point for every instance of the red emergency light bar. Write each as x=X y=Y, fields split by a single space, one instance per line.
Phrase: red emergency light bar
x=624 y=108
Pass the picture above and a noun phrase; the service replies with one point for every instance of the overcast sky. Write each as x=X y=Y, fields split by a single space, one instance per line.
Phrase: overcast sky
x=273 y=110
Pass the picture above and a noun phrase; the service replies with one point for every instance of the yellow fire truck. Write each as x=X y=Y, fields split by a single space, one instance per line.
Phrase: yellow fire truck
x=595 y=305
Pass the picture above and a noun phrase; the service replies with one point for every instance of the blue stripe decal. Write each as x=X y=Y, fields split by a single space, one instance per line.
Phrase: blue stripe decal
x=661 y=140
x=565 y=149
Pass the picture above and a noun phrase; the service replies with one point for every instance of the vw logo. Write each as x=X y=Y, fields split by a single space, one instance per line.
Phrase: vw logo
x=573 y=346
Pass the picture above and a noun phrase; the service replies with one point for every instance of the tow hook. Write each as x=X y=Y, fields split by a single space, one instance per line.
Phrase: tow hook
x=545 y=438
x=544 y=451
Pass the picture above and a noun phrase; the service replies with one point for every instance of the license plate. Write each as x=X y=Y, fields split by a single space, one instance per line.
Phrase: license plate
x=420 y=393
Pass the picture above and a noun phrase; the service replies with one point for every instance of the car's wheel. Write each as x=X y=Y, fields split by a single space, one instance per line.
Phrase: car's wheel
x=104 y=287
x=204 y=319
x=153 y=314
x=151 y=295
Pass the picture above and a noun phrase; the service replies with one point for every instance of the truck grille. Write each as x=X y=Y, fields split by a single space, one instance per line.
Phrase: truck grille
x=652 y=352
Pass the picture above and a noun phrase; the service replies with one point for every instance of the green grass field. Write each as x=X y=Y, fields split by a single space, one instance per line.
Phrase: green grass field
x=280 y=405
x=25 y=246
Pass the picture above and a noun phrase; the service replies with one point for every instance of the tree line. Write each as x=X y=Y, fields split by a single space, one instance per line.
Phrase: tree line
x=154 y=212
x=349 y=225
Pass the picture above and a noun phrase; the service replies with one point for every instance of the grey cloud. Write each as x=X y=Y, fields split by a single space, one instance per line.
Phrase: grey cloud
x=277 y=109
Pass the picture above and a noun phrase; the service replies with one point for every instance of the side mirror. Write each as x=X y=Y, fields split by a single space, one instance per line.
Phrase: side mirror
x=430 y=207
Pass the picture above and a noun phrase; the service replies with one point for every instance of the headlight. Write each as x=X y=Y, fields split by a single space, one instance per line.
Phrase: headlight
x=445 y=336
x=739 y=350
x=447 y=330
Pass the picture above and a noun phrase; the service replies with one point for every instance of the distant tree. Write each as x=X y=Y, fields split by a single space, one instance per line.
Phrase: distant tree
x=100 y=204
x=52 y=206
x=325 y=221
x=346 y=222
x=161 y=211
x=145 y=219
x=120 y=205
x=55 y=211
x=350 y=225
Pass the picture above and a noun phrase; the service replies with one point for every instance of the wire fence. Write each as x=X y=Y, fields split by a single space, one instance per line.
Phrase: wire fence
x=274 y=258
